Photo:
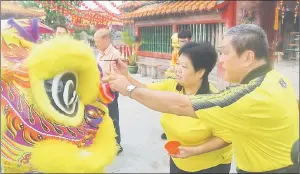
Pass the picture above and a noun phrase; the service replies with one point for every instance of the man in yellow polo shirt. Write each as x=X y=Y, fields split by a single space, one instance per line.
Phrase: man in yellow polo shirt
x=261 y=112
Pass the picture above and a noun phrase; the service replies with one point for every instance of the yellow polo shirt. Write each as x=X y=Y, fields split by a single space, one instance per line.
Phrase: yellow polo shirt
x=191 y=132
x=262 y=117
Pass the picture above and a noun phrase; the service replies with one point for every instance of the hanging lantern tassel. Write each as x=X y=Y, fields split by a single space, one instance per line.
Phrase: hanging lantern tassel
x=295 y=16
x=282 y=14
x=296 y=11
x=276 y=21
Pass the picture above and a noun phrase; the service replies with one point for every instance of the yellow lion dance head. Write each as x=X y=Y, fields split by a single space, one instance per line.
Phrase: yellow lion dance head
x=53 y=113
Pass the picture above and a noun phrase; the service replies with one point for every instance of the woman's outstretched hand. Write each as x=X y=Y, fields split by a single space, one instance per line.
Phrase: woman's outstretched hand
x=117 y=82
x=119 y=67
x=184 y=152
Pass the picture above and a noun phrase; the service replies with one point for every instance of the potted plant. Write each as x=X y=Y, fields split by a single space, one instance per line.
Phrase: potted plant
x=131 y=42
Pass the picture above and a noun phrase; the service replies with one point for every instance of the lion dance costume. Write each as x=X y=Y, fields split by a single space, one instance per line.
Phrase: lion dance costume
x=54 y=117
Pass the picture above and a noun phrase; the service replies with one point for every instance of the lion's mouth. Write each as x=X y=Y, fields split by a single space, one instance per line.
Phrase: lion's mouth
x=61 y=91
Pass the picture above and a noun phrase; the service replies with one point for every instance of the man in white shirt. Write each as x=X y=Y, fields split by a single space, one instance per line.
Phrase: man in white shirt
x=107 y=54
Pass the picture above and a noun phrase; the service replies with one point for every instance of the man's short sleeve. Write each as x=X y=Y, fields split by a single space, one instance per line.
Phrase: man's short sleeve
x=117 y=54
x=227 y=109
x=222 y=133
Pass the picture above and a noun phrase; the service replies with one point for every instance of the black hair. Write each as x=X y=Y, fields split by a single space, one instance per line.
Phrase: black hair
x=202 y=56
x=185 y=34
x=295 y=153
x=60 y=26
x=249 y=37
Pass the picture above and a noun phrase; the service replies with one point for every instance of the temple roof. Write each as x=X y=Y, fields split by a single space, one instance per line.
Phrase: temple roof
x=16 y=9
x=171 y=7
x=132 y=4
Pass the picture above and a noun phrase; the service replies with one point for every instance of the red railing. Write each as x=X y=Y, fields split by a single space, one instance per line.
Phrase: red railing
x=125 y=50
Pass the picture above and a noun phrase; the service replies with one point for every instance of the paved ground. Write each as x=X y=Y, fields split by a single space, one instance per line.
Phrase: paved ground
x=141 y=130
x=290 y=68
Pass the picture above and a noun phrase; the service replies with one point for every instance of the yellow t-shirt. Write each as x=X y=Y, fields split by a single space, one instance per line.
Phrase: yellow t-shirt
x=261 y=116
x=190 y=132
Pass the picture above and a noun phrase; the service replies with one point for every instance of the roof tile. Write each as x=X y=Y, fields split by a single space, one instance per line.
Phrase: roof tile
x=175 y=9
x=174 y=6
x=189 y=6
x=180 y=9
x=169 y=7
x=211 y=5
x=130 y=4
x=203 y=5
x=163 y=8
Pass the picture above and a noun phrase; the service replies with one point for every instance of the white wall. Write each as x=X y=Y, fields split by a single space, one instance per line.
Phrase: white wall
x=3 y=24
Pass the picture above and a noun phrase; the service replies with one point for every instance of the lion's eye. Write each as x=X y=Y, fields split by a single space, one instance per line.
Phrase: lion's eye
x=61 y=91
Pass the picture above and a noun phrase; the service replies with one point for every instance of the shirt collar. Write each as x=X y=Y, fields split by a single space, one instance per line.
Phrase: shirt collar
x=107 y=50
x=204 y=89
x=257 y=72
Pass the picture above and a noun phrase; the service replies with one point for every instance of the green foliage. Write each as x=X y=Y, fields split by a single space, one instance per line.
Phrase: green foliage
x=76 y=36
x=90 y=31
x=52 y=17
x=127 y=39
x=29 y=4
x=130 y=41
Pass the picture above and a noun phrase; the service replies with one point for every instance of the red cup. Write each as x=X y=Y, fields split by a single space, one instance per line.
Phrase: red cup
x=172 y=147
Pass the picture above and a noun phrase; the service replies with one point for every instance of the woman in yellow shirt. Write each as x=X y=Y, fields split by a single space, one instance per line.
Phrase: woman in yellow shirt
x=212 y=154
